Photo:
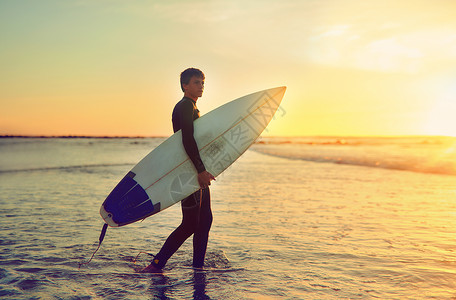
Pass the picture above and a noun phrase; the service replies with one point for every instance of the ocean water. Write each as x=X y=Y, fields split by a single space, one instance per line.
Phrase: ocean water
x=294 y=218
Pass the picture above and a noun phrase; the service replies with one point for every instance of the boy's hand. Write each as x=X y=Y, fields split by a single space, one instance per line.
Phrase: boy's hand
x=204 y=179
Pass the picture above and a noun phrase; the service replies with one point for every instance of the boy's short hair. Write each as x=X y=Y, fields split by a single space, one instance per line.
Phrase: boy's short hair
x=188 y=74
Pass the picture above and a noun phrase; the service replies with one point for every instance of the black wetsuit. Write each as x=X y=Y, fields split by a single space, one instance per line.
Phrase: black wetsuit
x=196 y=208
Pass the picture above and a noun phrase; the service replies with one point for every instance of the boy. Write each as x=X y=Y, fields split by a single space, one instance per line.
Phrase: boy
x=196 y=208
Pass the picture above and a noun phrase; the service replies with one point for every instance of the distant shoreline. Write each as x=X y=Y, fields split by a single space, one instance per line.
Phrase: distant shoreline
x=76 y=137
x=158 y=136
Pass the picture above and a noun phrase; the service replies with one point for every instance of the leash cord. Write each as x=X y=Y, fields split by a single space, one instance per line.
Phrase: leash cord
x=136 y=258
x=100 y=240
x=105 y=228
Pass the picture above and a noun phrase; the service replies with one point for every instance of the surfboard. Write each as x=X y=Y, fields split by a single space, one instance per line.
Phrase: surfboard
x=166 y=175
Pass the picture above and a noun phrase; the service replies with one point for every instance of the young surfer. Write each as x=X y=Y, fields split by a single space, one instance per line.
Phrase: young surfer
x=196 y=208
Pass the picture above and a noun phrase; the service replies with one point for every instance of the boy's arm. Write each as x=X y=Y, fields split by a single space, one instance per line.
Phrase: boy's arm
x=190 y=146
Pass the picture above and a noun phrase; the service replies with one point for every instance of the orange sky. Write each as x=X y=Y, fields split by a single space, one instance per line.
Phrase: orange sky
x=112 y=67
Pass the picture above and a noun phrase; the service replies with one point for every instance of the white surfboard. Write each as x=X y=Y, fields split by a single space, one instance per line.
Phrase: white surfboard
x=166 y=175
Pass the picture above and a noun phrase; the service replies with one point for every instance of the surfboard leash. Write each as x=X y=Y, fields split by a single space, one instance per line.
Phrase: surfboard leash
x=105 y=228
x=100 y=240
x=142 y=252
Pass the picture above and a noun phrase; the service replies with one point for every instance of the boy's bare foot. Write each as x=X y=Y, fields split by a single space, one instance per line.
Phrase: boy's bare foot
x=151 y=269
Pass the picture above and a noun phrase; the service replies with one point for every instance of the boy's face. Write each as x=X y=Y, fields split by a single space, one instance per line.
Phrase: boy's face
x=194 y=89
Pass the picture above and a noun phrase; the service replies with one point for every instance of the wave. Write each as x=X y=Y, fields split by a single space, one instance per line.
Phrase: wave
x=358 y=141
x=65 y=168
x=378 y=159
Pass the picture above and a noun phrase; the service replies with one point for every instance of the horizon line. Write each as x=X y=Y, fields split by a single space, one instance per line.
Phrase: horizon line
x=162 y=136
x=80 y=136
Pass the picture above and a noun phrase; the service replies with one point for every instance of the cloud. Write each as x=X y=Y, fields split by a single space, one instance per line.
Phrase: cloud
x=389 y=55
x=387 y=48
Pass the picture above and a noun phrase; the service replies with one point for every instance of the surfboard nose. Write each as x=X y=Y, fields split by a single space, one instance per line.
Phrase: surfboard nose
x=278 y=92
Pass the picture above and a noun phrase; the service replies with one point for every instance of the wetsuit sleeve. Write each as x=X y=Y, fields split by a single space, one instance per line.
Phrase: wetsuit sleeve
x=190 y=146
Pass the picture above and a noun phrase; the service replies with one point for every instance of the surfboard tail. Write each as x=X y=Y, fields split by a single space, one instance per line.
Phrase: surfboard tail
x=127 y=203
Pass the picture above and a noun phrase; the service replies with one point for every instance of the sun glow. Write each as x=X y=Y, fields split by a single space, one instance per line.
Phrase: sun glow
x=363 y=68
x=442 y=115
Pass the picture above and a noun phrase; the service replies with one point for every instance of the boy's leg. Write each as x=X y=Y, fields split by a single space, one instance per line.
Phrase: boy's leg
x=201 y=236
x=190 y=214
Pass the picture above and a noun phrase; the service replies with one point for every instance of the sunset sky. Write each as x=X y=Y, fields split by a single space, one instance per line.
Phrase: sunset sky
x=375 y=67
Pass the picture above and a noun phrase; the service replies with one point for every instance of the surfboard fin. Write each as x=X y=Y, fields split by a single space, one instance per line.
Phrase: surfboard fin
x=100 y=240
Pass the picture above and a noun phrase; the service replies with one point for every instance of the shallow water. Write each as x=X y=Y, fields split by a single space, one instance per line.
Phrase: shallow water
x=284 y=228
